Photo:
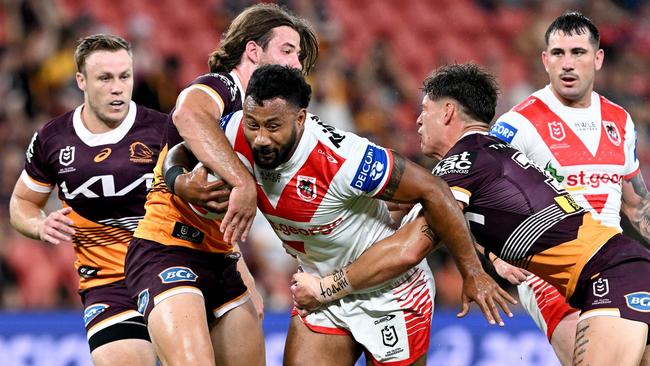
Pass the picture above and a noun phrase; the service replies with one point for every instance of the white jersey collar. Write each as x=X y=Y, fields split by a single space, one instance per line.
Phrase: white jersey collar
x=111 y=137
x=239 y=85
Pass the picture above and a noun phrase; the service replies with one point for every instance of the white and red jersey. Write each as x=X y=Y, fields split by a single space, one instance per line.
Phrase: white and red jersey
x=321 y=202
x=589 y=150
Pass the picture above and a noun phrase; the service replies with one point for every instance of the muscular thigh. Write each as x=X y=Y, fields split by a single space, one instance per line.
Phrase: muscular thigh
x=236 y=330
x=305 y=347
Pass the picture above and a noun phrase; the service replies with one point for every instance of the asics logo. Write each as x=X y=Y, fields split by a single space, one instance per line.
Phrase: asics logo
x=105 y=153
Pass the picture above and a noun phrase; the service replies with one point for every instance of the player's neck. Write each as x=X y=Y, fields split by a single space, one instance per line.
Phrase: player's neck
x=583 y=102
x=244 y=71
x=94 y=124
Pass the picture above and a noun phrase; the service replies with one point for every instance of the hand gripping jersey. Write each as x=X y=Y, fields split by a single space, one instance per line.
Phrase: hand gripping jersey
x=103 y=177
x=590 y=151
x=520 y=213
x=320 y=203
x=169 y=220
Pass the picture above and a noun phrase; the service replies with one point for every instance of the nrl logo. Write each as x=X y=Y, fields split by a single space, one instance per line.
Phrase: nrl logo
x=557 y=130
x=612 y=132
x=306 y=187
x=66 y=155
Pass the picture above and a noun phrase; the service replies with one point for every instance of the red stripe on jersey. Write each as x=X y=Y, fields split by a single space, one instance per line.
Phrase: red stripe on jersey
x=389 y=152
x=295 y=245
x=597 y=201
x=241 y=145
x=565 y=145
x=303 y=194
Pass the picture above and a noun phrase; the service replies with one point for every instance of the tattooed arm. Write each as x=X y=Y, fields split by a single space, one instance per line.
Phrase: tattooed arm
x=410 y=183
x=636 y=205
x=387 y=259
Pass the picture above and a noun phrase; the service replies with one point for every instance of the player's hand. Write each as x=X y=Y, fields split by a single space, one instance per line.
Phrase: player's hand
x=57 y=227
x=242 y=207
x=507 y=271
x=304 y=291
x=482 y=289
x=193 y=187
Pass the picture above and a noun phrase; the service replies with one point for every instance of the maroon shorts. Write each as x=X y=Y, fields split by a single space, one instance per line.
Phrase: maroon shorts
x=615 y=282
x=110 y=314
x=155 y=272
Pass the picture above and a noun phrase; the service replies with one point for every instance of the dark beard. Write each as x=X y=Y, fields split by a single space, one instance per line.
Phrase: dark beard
x=281 y=155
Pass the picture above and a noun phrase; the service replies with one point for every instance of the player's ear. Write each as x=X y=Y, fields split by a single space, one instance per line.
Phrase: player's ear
x=450 y=109
x=251 y=52
x=81 y=81
x=302 y=116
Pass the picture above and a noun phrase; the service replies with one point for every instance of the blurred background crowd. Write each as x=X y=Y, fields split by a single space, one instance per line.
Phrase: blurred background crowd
x=374 y=55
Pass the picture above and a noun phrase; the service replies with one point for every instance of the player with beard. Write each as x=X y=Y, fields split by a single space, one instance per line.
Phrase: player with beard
x=185 y=272
x=587 y=143
x=323 y=190
x=525 y=217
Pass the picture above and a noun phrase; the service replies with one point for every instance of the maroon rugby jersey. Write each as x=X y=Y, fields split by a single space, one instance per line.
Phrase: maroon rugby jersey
x=168 y=219
x=518 y=212
x=103 y=177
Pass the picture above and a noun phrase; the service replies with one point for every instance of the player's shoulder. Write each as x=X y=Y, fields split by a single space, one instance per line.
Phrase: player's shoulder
x=218 y=81
x=471 y=154
x=335 y=138
x=606 y=103
x=56 y=126
x=150 y=116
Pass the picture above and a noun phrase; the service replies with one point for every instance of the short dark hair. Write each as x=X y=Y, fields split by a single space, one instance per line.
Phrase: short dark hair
x=475 y=89
x=98 y=42
x=276 y=81
x=256 y=23
x=574 y=22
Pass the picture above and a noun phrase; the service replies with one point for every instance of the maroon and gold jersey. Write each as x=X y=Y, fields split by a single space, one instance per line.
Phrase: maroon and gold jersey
x=103 y=177
x=520 y=213
x=169 y=220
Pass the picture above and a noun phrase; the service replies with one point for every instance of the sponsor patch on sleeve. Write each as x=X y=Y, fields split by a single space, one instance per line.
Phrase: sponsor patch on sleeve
x=503 y=131
x=455 y=164
x=372 y=169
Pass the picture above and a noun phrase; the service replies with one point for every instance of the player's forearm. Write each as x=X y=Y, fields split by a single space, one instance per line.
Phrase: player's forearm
x=392 y=256
x=447 y=221
x=201 y=132
x=635 y=204
x=26 y=217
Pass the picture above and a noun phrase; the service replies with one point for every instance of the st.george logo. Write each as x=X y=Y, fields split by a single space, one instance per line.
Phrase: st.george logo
x=177 y=274
x=306 y=187
x=66 y=155
x=92 y=311
x=612 y=132
x=639 y=301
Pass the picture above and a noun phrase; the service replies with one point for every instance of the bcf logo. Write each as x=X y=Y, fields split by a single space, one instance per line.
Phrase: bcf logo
x=639 y=301
x=177 y=274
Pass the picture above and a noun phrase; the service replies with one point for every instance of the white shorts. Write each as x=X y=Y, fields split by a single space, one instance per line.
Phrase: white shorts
x=544 y=303
x=393 y=323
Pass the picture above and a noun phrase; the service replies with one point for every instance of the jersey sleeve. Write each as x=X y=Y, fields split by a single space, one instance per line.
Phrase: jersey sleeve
x=37 y=175
x=367 y=169
x=465 y=172
x=631 y=161
x=219 y=87
x=516 y=130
